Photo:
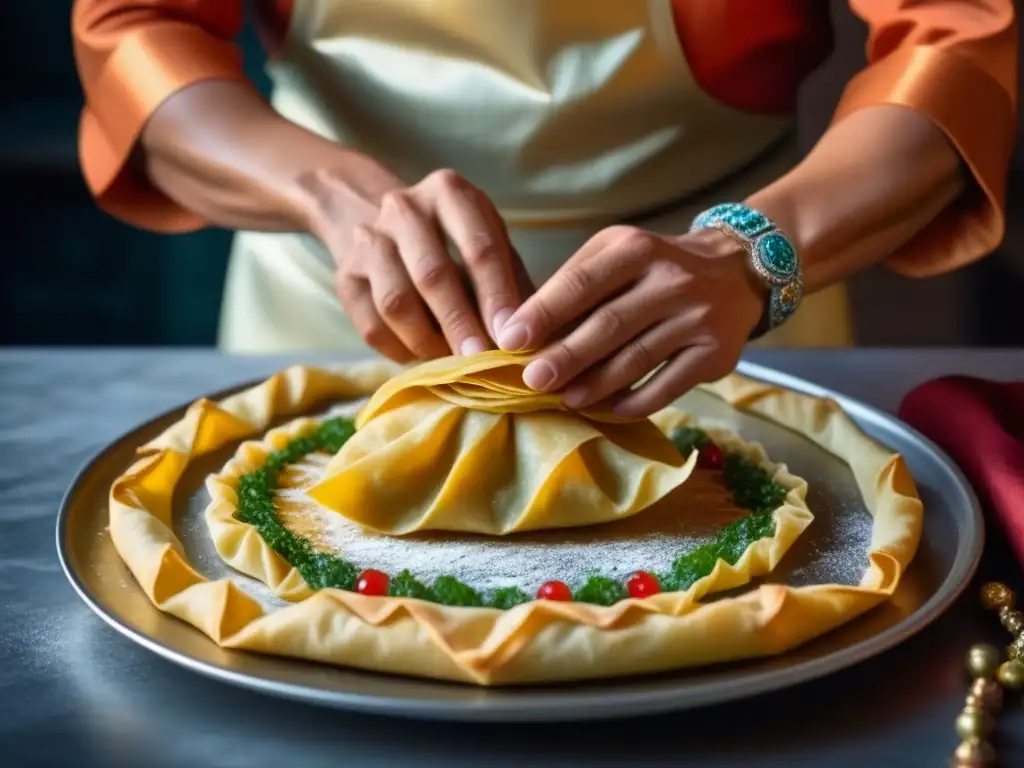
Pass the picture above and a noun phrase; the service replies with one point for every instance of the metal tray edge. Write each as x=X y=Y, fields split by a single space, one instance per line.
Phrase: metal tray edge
x=528 y=703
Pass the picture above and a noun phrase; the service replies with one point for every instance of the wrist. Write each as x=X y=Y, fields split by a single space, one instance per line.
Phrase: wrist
x=848 y=210
x=771 y=257
x=342 y=190
x=786 y=204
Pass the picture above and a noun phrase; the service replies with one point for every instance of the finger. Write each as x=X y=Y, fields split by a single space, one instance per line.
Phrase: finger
x=525 y=288
x=611 y=327
x=434 y=274
x=633 y=360
x=524 y=282
x=599 y=269
x=692 y=366
x=358 y=304
x=397 y=302
x=472 y=224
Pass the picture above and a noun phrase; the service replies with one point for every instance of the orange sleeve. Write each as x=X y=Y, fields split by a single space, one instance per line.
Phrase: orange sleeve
x=131 y=56
x=956 y=63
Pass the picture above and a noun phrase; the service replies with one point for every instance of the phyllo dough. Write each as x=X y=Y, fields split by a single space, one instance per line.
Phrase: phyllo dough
x=461 y=444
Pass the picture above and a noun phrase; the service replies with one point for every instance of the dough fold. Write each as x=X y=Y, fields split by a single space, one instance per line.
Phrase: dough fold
x=461 y=444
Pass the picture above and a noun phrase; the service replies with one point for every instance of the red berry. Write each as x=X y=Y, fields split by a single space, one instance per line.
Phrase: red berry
x=642 y=584
x=711 y=457
x=554 y=590
x=372 y=582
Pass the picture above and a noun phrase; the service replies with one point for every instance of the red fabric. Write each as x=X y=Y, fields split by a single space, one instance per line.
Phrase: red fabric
x=980 y=424
x=753 y=54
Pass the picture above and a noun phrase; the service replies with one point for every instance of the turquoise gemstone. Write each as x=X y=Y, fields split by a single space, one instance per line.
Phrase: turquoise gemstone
x=713 y=215
x=747 y=222
x=777 y=255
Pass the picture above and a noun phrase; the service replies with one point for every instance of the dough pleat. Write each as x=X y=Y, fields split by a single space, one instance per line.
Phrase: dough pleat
x=461 y=444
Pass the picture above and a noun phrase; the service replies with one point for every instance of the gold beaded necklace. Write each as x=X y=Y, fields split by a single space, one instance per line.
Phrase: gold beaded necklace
x=991 y=675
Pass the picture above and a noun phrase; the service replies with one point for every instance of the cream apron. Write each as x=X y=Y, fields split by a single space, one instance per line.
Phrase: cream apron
x=571 y=115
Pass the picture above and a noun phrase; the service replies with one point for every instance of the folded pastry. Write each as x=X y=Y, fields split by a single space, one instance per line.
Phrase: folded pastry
x=461 y=444
x=437 y=630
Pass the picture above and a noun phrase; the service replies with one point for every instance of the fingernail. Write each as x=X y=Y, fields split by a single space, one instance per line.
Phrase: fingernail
x=539 y=374
x=501 y=317
x=472 y=346
x=575 y=396
x=514 y=337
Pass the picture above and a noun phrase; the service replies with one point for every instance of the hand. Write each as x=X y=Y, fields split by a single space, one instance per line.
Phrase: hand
x=633 y=301
x=394 y=276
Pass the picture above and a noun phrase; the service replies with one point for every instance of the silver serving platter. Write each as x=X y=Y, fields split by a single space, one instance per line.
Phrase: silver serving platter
x=832 y=549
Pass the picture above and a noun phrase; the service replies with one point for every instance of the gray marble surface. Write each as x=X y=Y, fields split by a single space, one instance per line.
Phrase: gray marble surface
x=74 y=692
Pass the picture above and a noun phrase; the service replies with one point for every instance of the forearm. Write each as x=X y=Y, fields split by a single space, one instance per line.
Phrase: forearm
x=219 y=150
x=872 y=182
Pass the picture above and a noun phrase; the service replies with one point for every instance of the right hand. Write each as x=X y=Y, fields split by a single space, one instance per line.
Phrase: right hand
x=394 y=275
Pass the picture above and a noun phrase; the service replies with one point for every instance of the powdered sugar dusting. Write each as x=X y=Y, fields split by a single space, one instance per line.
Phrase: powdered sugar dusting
x=832 y=550
x=650 y=541
x=836 y=553
x=194 y=533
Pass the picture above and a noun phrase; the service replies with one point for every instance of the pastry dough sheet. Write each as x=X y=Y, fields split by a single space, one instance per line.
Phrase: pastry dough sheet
x=707 y=502
x=536 y=642
x=461 y=444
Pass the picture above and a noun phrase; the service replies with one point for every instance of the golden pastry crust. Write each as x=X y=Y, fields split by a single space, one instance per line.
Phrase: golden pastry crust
x=540 y=641
x=461 y=444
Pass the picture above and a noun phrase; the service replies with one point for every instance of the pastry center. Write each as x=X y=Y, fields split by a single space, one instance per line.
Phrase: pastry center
x=652 y=540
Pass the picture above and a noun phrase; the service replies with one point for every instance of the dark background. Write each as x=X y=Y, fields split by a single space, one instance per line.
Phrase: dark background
x=72 y=275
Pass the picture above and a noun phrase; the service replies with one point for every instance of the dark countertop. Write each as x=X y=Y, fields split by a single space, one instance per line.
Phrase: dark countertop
x=74 y=692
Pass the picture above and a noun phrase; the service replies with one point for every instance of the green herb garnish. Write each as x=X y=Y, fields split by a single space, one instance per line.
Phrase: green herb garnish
x=407 y=585
x=752 y=489
x=686 y=439
x=256 y=507
x=600 y=590
x=508 y=597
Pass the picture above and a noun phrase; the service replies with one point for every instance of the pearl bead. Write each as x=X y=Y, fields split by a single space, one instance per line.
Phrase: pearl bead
x=983 y=660
x=1011 y=674
x=1015 y=650
x=974 y=701
x=987 y=693
x=996 y=595
x=974 y=723
x=974 y=752
x=1013 y=621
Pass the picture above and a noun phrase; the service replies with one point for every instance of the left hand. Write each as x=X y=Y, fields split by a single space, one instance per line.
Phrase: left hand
x=635 y=300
